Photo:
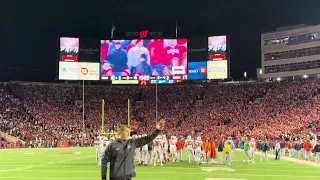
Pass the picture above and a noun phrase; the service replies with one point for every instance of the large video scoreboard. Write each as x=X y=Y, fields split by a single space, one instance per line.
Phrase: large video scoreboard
x=150 y=61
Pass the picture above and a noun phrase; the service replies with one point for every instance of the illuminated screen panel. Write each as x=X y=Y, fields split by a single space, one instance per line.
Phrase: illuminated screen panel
x=69 y=49
x=147 y=57
x=217 y=47
x=78 y=71
x=162 y=81
x=217 y=69
x=125 y=82
x=197 y=70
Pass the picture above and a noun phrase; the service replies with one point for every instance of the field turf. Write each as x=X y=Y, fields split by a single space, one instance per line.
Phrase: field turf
x=79 y=164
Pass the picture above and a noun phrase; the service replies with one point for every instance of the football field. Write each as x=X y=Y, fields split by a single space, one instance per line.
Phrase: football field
x=80 y=164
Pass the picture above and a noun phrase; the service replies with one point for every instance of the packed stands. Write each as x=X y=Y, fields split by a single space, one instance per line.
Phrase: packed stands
x=42 y=114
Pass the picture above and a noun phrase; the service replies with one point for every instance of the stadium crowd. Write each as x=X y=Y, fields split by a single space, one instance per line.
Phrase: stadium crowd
x=42 y=114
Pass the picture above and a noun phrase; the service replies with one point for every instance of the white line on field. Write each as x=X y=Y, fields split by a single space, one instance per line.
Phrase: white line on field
x=66 y=178
x=94 y=166
x=182 y=173
x=258 y=175
x=42 y=165
x=97 y=171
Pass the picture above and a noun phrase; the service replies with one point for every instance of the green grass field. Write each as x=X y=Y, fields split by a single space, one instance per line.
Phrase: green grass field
x=79 y=163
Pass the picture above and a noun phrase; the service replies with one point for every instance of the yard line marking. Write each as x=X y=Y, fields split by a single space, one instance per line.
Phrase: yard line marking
x=224 y=179
x=185 y=173
x=208 y=169
x=42 y=165
x=66 y=178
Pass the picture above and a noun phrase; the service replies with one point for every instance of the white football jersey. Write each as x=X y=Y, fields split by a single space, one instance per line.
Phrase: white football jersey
x=157 y=143
x=198 y=144
x=189 y=143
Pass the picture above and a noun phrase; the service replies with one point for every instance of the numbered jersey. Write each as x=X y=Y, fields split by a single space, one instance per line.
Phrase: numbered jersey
x=252 y=145
x=198 y=144
x=157 y=143
x=189 y=143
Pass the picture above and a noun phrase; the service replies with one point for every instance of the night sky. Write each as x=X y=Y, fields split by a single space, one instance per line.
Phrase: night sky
x=30 y=29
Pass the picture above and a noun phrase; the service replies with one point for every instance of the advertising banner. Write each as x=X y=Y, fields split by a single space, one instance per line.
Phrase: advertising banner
x=197 y=70
x=218 y=69
x=78 y=71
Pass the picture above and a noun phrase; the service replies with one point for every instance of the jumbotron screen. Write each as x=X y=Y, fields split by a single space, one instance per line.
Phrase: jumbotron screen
x=69 y=49
x=217 y=47
x=143 y=59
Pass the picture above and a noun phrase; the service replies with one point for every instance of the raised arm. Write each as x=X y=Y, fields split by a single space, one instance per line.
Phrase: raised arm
x=145 y=140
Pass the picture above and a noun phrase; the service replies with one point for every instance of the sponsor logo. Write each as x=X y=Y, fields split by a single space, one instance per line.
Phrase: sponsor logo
x=143 y=83
x=217 y=70
x=203 y=70
x=78 y=71
x=84 y=71
x=176 y=77
x=198 y=50
x=143 y=34
x=89 y=50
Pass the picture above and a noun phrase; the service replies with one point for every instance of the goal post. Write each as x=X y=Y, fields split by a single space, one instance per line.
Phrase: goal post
x=102 y=131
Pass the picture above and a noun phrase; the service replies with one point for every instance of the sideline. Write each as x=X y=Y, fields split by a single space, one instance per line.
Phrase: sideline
x=310 y=163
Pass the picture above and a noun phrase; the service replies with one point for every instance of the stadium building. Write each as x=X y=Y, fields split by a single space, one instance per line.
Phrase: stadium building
x=292 y=51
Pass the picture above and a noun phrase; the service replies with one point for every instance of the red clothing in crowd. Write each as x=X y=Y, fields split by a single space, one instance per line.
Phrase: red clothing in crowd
x=179 y=145
x=104 y=51
x=129 y=47
x=307 y=146
x=213 y=153
x=155 y=48
x=289 y=146
x=174 y=51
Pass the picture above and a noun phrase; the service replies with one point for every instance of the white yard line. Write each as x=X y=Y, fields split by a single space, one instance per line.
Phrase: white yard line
x=42 y=165
x=66 y=178
x=97 y=171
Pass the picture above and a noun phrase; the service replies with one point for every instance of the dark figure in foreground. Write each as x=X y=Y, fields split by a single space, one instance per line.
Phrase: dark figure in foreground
x=120 y=153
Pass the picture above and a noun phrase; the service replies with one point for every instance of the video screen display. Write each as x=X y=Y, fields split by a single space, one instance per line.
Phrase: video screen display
x=217 y=47
x=69 y=49
x=197 y=70
x=217 y=69
x=143 y=58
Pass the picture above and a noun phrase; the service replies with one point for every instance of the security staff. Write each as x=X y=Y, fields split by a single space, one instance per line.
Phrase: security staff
x=120 y=153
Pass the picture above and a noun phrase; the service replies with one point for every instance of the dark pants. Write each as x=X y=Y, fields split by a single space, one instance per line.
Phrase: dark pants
x=277 y=154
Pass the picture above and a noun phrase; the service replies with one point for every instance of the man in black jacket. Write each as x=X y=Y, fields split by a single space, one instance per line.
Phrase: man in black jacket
x=120 y=154
x=264 y=148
